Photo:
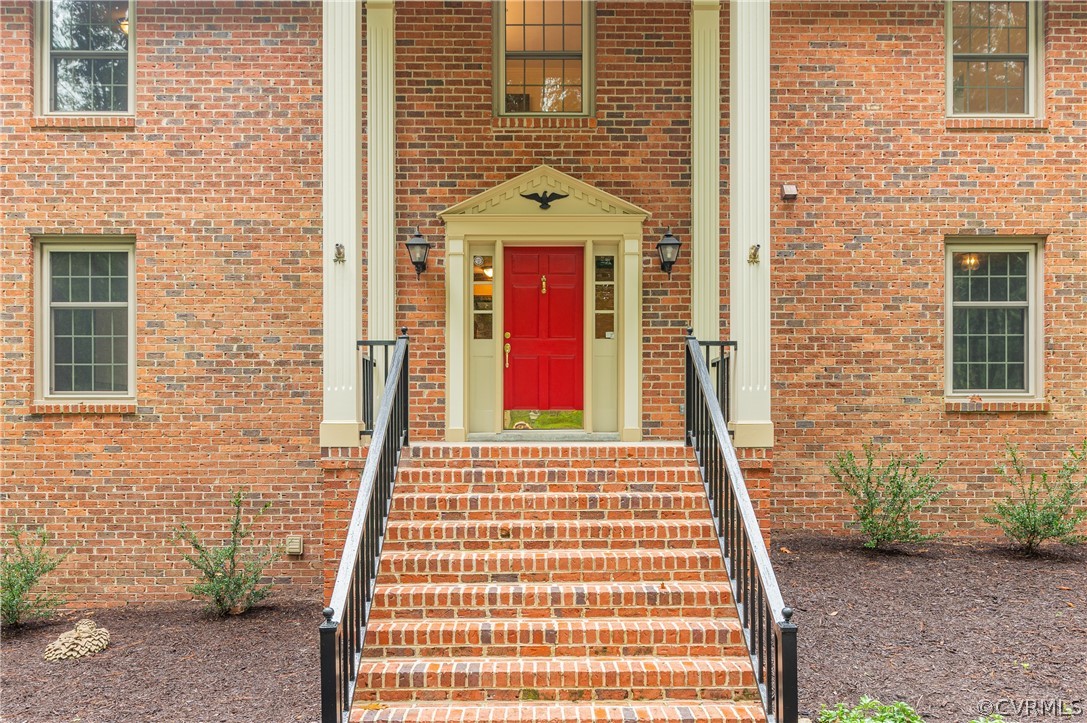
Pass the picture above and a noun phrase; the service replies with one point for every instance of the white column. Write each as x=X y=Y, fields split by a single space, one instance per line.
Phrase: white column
x=706 y=169
x=749 y=213
x=342 y=212
x=380 y=168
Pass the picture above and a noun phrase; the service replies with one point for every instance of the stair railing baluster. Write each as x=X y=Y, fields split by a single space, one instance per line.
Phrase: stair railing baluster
x=767 y=624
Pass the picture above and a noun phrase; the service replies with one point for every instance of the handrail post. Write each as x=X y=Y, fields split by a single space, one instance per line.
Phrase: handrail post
x=404 y=386
x=688 y=403
x=788 y=706
x=331 y=693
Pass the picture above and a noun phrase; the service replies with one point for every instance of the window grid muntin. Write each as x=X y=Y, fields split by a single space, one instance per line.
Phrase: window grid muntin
x=1030 y=59
x=571 y=99
x=121 y=95
x=1025 y=349
x=122 y=367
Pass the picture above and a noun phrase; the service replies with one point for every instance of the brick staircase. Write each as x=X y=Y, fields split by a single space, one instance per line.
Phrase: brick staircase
x=559 y=583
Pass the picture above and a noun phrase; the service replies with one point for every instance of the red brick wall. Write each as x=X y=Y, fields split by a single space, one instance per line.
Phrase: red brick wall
x=218 y=179
x=450 y=147
x=884 y=178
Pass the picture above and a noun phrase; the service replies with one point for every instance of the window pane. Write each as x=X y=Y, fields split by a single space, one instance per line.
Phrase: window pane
x=482 y=326
x=543 y=56
x=605 y=297
x=605 y=268
x=89 y=25
x=90 y=84
x=87 y=346
x=605 y=326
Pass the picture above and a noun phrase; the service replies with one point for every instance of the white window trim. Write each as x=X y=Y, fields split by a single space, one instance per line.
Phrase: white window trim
x=1035 y=355
x=1035 y=70
x=588 y=74
x=43 y=84
x=43 y=352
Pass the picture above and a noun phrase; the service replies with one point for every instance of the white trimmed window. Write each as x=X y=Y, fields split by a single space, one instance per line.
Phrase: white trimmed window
x=86 y=63
x=994 y=319
x=994 y=63
x=88 y=313
x=543 y=57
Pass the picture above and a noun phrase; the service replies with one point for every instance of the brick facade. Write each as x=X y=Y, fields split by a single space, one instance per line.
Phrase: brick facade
x=218 y=180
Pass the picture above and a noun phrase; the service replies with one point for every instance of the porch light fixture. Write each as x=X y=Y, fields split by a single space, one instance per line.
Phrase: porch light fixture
x=970 y=262
x=418 y=249
x=668 y=248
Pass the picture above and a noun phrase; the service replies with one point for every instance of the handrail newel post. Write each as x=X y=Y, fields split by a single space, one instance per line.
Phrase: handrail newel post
x=788 y=704
x=331 y=694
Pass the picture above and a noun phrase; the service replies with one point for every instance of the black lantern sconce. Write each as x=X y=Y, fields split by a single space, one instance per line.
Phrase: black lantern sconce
x=418 y=249
x=668 y=248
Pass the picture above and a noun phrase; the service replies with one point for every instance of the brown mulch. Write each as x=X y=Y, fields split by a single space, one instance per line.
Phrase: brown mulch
x=169 y=663
x=948 y=628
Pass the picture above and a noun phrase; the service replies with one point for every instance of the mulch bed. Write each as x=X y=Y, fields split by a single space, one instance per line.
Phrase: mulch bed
x=948 y=628
x=170 y=662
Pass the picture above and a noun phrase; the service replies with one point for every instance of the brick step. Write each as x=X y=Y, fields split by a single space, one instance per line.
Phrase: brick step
x=555 y=679
x=552 y=566
x=680 y=711
x=549 y=535
x=552 y=455
x=541 y=506
x=548 y=479
x=600 y=637
x=541 y=601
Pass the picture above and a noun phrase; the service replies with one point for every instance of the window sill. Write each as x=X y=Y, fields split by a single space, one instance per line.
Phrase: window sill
x=997 y=124
x=85 y=122
x=538 y=121
x=977 y=405
x=83 y=407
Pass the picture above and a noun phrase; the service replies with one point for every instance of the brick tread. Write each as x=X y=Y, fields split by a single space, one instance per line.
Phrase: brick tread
x=552 y=565
x=667 y=712
x=570 y=600
x=613 y=506
x=599 y=637
x=547 y=534
x=557 y=679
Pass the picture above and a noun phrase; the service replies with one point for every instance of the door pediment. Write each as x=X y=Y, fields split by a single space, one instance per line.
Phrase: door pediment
x=581 y=199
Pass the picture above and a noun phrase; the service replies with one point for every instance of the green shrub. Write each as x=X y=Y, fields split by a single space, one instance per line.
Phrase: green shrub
x=23 y=564
x=229 y=574
x=886 y=497
x=870 y=711
x=1043 y=508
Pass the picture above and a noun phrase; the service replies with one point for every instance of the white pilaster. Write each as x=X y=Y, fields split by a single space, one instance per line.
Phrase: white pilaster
x=342 y=213
x=749 y=211
x=630 y=355
x=380 y=167
x=456 y=315
x=706 y=169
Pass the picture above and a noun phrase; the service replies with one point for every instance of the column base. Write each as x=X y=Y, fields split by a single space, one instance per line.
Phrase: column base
x=340 y=434
x=752 y=434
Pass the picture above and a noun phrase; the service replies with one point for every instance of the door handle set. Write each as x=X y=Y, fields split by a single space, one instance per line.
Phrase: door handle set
x=506 y=349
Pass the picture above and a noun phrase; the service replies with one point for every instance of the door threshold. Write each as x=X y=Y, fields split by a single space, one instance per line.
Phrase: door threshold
x=544 y=435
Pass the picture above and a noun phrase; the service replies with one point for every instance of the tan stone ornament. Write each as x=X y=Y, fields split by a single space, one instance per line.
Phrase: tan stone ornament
x=86 y=639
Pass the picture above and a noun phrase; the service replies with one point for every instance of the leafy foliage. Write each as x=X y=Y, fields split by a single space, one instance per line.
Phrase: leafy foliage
x=870 y=710
x=22 y=566
x=1044 y=507
x=230 y=575
x=885 y=497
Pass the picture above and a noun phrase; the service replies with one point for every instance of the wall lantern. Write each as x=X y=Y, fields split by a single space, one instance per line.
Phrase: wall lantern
x=668 y=248
x=418 y=249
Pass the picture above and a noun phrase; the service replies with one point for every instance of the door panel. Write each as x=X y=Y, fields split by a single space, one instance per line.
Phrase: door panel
x=544 y=320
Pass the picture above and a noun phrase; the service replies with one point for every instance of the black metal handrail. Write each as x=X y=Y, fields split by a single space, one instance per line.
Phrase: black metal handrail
x=348 y=611
x=767 y=623
x=720 y=367
x=368 y=366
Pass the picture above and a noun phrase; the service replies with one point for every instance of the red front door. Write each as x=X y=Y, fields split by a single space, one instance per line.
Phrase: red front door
x=544 y=328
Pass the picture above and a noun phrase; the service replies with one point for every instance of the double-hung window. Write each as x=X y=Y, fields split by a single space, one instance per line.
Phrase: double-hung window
x=86 y=343
x=994 y=319
x=543 y=57
x=87 y=62
x=993 y=57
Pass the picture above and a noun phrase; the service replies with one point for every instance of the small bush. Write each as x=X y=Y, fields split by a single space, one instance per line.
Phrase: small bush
x=886 y=497
x=21 y=567
x=229 y=575
x=870 y=711
x=1043 y=508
